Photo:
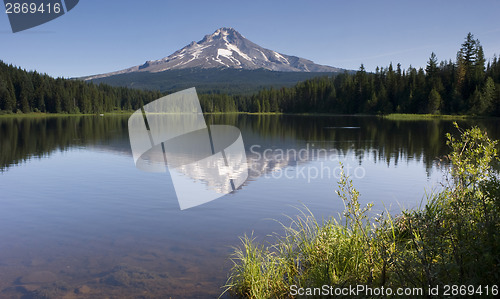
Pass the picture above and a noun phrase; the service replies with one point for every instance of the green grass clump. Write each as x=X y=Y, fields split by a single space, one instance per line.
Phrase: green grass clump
x=311 y=253
x=453 y=240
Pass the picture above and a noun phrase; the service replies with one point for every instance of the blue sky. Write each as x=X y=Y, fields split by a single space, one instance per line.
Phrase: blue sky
x=109 y=35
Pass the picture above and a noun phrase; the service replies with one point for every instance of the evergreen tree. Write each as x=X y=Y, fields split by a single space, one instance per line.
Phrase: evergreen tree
x=432 y=68
x=434 y=103
x=4 y=94
x=487 y=97
x=477 y=103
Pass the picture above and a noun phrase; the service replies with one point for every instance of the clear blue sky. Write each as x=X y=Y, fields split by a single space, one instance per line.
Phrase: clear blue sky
x=100 y=36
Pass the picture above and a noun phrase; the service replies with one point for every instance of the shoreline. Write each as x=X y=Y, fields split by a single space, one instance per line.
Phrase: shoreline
x=392 y=116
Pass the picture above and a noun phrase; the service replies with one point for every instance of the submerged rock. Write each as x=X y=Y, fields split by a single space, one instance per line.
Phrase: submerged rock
x=84 y=289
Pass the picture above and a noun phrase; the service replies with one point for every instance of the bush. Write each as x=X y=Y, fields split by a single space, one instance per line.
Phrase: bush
x=456 y=235
x=452 y=240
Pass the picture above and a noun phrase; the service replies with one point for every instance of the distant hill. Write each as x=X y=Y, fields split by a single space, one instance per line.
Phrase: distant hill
x=230 y=81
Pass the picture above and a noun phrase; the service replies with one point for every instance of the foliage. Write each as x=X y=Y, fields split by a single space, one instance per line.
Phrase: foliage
x=455 y=237
x=312 y=254
x=434 y=103
x=453 y=240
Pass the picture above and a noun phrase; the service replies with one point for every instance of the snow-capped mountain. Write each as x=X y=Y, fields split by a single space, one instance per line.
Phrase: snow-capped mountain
x=225 y=48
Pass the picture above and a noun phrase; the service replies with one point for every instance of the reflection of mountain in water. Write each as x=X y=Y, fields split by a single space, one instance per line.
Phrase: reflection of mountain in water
x=394 y=141
x=203 y=172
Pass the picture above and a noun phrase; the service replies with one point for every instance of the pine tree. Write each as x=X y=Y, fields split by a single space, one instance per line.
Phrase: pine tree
x=470 y=68
x=432 y=67
x=25 y=94
x=4 y=94
x=487 y=96
x=479 y=64
x=434 y=102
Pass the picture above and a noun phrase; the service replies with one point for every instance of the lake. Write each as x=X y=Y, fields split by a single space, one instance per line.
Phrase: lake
x=79 y=220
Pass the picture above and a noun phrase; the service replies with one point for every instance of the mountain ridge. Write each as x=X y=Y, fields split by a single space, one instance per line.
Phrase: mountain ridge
x=226 y=48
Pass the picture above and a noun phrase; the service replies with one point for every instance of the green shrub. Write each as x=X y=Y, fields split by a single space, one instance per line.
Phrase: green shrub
x=453 y=239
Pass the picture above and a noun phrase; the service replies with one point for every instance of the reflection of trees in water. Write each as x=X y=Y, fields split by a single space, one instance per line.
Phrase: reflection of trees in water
x=27 y=137
x=394 y=141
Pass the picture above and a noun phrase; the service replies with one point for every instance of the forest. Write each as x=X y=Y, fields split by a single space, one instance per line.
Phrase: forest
x=470 y=85
x=23 y=91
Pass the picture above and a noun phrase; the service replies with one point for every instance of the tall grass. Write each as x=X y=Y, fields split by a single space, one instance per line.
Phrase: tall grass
x=452 y=240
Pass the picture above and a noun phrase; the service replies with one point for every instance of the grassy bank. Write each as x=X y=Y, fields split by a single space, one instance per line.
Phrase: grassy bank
x=453 y=240
x=403 y=116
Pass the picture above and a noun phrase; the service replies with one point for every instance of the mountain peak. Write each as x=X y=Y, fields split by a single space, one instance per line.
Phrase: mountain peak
x=226 y=48
x=227 y=34
x=225 y=31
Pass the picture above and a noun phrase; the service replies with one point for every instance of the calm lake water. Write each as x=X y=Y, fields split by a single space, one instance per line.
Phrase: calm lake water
x=78 y=220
